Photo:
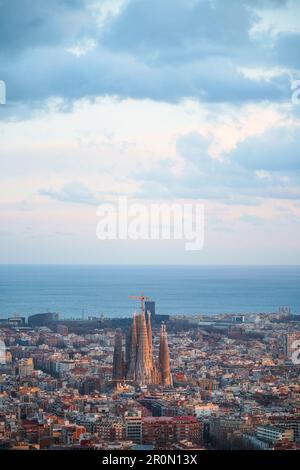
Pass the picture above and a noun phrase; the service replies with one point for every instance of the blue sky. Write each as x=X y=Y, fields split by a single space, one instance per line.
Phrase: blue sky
x=163 y=100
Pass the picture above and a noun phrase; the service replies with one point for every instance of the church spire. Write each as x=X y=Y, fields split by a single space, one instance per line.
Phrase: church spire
x=164 y=357
x=133 y=348
x=118 y=359
x=143 y=368
x=149 y=330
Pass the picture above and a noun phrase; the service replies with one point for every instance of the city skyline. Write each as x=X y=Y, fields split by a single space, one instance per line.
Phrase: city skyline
x=149 y=158
x=234 y=383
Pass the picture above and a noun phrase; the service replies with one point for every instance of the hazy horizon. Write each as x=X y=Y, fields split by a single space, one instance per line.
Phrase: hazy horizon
x=98 y=289
x=153 y=264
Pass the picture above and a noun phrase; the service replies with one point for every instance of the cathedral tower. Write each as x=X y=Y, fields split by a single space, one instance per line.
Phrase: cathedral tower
x=164 y=357
x=118 y=359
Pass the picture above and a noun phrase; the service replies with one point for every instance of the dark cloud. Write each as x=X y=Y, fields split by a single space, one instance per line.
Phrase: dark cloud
x=28 y=24
x=164 y=51
x=43 y=73
x=159 y=30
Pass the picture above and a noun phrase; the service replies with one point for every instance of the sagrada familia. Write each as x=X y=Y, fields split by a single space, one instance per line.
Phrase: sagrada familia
x=140 y=367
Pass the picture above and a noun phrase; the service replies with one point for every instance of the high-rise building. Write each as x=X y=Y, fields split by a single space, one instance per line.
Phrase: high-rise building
x=150 y=307
x=118 y=359
x=292 y=345
x=164 y=431
x=133 y=426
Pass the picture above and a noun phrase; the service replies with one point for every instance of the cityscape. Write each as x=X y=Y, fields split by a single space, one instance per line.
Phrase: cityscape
x=228 y=382
x=149 y=232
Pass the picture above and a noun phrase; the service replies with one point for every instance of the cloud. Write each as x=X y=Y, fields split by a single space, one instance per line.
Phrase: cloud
x=32 y=23
x=165 y=51
x=176 y=30
x=73 y=192
x=275 y=150
x=241 y=178
x=252 y=219
x=190 y=69
x=287 y=50
x=42 y=73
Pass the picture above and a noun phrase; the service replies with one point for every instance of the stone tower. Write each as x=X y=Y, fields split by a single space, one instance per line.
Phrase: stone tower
x=143 y=365
x=164 y=357
x=118 y=359
x=133 y=349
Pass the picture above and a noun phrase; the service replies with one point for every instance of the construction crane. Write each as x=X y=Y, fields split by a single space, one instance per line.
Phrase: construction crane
x=141 y=298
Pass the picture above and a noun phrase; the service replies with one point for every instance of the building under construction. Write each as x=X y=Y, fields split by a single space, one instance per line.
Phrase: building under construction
x=141 y=367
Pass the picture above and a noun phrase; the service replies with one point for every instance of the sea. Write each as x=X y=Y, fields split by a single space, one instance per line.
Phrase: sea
x=79 y=291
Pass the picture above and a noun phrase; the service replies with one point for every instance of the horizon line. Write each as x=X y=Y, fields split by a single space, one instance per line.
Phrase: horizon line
x=151 y=265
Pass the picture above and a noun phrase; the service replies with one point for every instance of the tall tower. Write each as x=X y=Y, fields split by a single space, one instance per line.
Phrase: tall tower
x=164 y=357
x=118 y=360
x=150 y=307
x=149 y=331
x=143 y=366
x=161 y=342
x=133 y=349
x=142 y=369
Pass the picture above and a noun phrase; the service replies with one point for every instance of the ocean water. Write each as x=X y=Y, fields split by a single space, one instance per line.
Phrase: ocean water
x=95 y=290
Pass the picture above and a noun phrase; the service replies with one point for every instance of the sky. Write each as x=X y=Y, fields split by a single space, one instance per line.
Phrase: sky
x=159 y=101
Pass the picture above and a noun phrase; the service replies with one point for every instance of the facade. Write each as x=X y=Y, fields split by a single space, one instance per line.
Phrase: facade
x=25 y=367
x=133 y=426
x=42 y=319
x=63 y=367
x=291 y=344
x=142 y=368
x=274 y=434
x=206 y=409
x=291 y=424
x=164 y=431
x=62 y=330
x=118 y=359
x=15 y=321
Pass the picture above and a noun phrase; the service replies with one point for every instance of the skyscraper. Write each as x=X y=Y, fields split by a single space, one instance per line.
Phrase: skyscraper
x=150 y=307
